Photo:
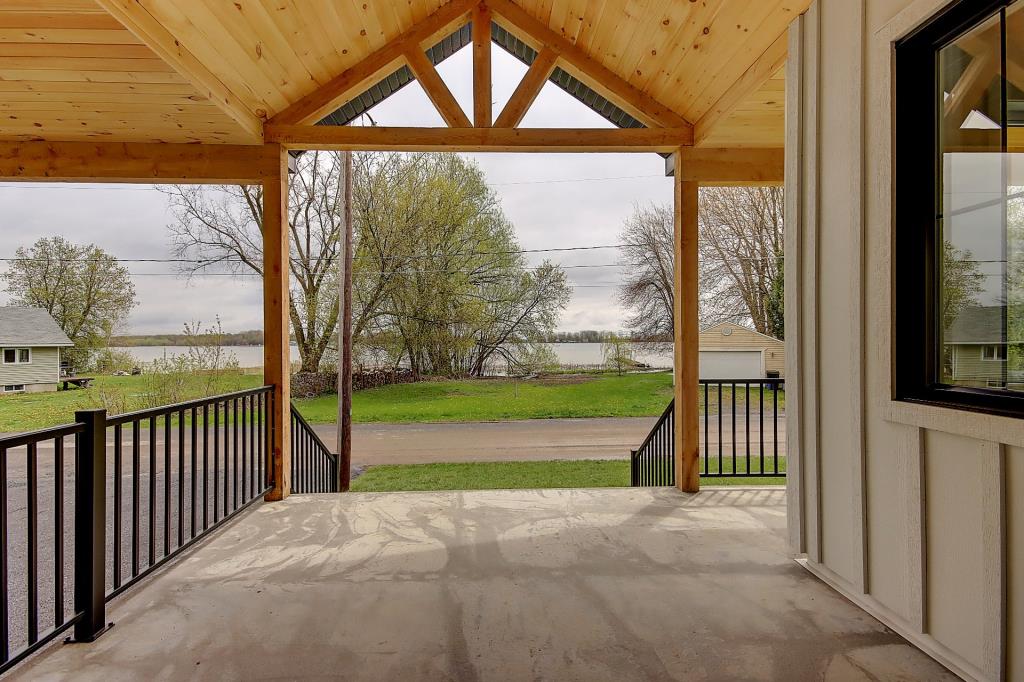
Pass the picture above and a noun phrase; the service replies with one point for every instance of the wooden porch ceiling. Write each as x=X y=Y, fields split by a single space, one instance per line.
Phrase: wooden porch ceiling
x=210 y=71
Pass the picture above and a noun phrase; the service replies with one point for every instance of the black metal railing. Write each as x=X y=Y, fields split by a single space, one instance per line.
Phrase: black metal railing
x=653 y=463
x=742 y=434
x=175 y=473
x=201 y=462
x=314 y=466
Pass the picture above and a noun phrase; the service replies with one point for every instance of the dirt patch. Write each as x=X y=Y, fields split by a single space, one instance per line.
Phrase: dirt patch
x=565 y=379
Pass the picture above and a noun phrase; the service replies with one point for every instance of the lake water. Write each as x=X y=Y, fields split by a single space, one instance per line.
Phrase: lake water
x=252 y=356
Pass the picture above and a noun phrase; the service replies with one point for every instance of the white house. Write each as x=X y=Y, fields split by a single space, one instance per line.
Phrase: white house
x=30 y=343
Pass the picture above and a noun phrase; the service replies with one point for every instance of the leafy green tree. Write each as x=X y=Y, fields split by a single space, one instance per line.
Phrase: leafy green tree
x=85 y=289
x=617 y=352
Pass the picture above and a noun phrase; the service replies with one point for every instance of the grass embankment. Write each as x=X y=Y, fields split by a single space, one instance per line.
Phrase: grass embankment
x=598 y=395
x=518 y=475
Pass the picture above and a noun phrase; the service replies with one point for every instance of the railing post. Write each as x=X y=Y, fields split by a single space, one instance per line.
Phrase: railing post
x=90 y=524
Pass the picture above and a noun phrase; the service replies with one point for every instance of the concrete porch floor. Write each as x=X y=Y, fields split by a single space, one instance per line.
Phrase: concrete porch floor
x=612 y=584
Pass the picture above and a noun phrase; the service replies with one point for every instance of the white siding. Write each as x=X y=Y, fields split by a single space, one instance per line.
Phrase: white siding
x=913 y=512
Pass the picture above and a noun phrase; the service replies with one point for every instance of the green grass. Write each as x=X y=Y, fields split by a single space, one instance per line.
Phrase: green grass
x=631 y=395
x=30 y=411
x=517 y=475
x=590 y=395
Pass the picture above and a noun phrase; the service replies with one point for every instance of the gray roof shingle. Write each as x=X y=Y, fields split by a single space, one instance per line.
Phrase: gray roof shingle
x=979 y=324
x=30 y=327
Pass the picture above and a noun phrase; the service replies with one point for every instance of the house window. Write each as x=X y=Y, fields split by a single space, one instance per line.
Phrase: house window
x=17 y=356
x=994 y=353
x=14 y=388
x=959 y=230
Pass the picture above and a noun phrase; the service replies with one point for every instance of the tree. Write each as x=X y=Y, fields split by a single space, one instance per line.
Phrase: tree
x=83 y=288
x=961 y=282
x=221 y=228
x=775 y=305
x=741 y=229
x=649 y=256
x=617 y=352
x=438 y=279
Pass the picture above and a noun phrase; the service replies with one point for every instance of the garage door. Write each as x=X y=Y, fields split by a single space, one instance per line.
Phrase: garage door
x=725 y=364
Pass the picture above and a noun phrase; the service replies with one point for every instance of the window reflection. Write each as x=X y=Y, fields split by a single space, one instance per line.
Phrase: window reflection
x=981 y=217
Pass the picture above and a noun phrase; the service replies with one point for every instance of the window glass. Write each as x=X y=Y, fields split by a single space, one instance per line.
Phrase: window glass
x=980 y=263
x=10 y=355
x=24 y=355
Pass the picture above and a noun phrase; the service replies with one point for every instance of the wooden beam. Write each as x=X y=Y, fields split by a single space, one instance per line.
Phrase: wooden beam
x=528 y=89
x=734 y=166
x=436 y=89
x=276 y=348
x=763 y=68
x=580 y=64
x=134 y=16
x=357 y=138
x=686 y=353
x=352 y=81
x=482 y=91
x=136 y=162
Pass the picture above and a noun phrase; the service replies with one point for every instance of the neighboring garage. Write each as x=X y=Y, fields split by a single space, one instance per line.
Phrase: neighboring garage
x=731 y=351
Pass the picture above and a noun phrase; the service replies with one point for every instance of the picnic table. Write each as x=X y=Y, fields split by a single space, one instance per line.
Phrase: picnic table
x=80 y=382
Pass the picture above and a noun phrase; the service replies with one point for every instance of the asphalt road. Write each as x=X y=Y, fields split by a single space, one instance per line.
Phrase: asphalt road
x=529 y=440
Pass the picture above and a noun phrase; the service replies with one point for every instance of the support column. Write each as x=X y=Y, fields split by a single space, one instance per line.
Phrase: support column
x=276 y=348
x=686 y=353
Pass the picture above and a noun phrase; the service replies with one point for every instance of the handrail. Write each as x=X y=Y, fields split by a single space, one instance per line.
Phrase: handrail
x=164 y=410
x=313 y=434
x=19 y=439
x=657 y=426
x=314 y=466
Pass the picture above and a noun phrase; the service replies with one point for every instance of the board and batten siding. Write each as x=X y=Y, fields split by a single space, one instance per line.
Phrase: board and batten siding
x=44 y=369
x=773 y=351
x=914 y=512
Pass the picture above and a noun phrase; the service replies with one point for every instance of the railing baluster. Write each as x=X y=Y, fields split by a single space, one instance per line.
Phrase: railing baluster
x=746 y=426
x=5 y=644
x=192 y=475
x=707 y=410
x=152 y=489
x=760 y=428
x=135 y=498
x=732 y=397
x=245 y=450
x=118 y=492
x=32 y=556
x=58 y=532
x=775 y=426
x=234 y=455
x=719 y=390
x=216 y=461
x=206 y=466
x=181 y=474
x=167 y=485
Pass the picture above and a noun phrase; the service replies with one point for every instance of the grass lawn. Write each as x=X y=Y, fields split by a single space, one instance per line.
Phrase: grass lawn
x=31 y=411
x=603 y=395
x=560 y=396
x=503 y=475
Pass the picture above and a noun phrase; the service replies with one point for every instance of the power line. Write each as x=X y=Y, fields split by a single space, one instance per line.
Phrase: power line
x=236 y=259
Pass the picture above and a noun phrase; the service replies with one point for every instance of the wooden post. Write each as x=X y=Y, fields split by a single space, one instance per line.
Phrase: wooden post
x=482 y=66
x=686 y=353
x=345 y=340
x=276 y=360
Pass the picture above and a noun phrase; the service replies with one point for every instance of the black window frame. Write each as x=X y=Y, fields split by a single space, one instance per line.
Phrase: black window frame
x=917 y=181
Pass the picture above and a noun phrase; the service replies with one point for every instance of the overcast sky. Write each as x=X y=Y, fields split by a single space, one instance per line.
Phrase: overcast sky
x=554 y=200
